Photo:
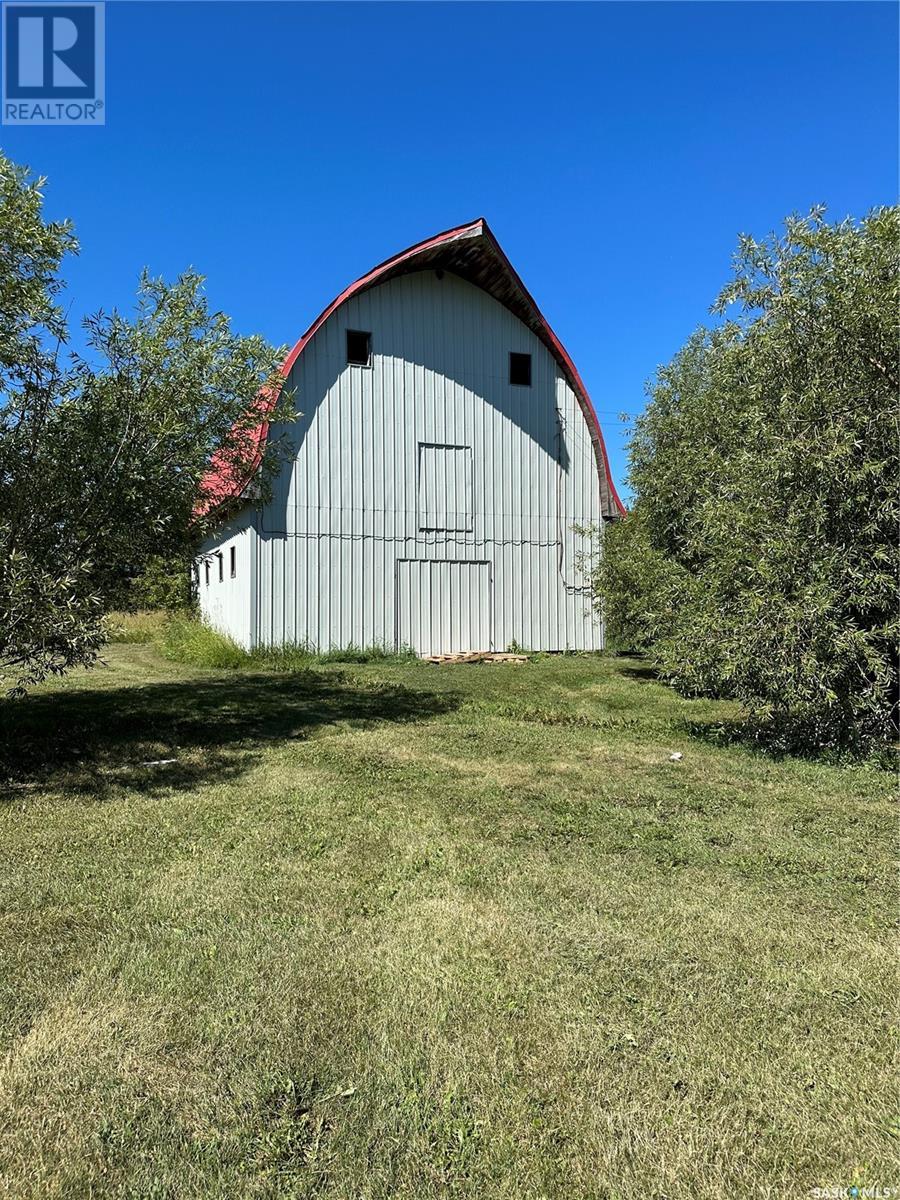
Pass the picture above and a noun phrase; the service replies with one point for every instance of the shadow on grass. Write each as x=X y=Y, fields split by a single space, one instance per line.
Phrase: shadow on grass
x=97 y=740
x=643 y=673
x=771 y=742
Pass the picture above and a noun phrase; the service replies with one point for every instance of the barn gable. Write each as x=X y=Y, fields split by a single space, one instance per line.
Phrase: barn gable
x=473 y=253
x=444 y=457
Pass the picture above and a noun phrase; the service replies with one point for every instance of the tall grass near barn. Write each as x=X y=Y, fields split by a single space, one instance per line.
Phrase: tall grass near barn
x=189 y=640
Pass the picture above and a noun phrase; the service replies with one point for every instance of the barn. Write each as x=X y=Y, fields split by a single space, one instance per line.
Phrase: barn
x=440 y=476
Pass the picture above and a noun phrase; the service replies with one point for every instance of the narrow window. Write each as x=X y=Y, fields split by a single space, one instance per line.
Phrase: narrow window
x=233 y=562
x=520 y=369
x=220 y=556
x=206 y=565
x=359 y=348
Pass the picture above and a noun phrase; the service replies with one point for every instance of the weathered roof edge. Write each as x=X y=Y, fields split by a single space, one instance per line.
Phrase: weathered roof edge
x=221 y=488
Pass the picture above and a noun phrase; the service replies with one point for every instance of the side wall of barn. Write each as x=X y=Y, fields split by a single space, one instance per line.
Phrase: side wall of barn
x=227 y=599
x=429 y=454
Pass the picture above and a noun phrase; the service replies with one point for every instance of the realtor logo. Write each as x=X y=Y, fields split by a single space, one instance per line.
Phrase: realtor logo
x=53 y=64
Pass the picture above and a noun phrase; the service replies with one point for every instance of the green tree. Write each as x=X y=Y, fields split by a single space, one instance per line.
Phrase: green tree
x=163 y=583
x=102 y=454
x=760 y=558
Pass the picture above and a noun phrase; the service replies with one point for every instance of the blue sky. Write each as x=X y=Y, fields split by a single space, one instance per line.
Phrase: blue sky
x=616 y=150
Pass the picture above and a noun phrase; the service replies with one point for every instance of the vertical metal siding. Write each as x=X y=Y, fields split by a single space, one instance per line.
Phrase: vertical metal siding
x=517 y=470
x=443 y=607
x=445 y=488
x=229 y=604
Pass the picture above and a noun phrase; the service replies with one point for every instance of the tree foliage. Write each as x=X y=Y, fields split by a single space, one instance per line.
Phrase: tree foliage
x=102 y=452
x=164 y=583
x=760 y=558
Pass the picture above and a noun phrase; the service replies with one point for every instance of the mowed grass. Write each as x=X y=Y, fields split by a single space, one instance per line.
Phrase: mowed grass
x=395 y=930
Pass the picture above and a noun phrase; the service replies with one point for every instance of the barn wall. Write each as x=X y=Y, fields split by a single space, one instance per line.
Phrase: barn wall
x=227 y=604
x=367 y=464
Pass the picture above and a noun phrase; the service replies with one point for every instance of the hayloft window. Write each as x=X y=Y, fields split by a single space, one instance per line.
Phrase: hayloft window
x=520 y=369
x=233 y=561
x=359 y=348
x=445 y=487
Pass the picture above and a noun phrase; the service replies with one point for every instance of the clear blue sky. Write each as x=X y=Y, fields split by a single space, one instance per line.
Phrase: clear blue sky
x=616 y=150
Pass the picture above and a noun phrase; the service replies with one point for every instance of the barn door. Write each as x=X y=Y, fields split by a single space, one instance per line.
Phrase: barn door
x=443 y=607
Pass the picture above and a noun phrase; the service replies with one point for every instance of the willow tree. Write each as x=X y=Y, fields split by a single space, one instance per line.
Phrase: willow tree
x=760 y=558
x=102 y=452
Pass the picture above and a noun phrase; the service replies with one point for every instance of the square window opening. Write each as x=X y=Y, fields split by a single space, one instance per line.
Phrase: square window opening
x=359 y=348
x=520 y=369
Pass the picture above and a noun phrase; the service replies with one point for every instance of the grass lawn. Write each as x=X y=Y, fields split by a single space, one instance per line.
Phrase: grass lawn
x=395 y=930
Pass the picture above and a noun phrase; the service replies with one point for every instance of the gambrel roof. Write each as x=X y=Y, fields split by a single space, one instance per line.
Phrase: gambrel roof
x=472 y=252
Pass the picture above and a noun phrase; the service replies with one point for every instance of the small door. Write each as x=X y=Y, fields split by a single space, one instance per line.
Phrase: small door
x=443 y=607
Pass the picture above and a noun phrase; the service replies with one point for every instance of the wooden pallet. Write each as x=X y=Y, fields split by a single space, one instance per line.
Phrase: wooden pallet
x=481 y=656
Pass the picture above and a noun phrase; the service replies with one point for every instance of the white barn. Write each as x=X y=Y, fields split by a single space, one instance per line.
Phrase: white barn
x=446 y=455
